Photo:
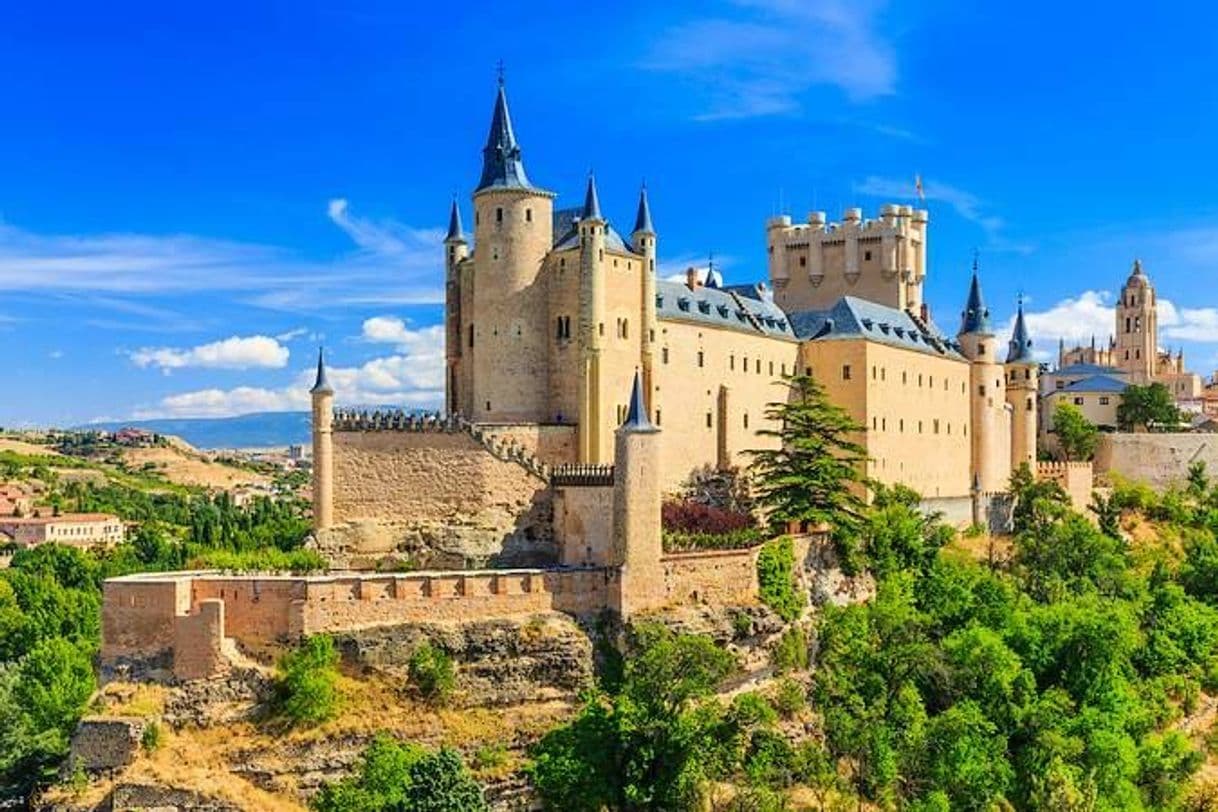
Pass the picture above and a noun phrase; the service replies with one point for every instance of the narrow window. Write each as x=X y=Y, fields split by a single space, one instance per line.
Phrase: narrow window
x=664 y=355
x=701 y=358
x=731 y=362
x=528 y=215
x=659 y=418
x=746 y=420
x=845 y=372
x=498 y=215
x=803 y=262
x=471 y=335
x=708 y=420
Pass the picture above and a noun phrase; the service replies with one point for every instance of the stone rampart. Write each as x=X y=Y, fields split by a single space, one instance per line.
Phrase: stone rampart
x=1077 y=479
x=445 y=498
x=1159 y=460
x=719 y=577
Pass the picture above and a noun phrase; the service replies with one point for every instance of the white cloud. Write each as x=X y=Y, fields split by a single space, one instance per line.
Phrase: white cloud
x=965 y=203
x=292 y=335
x=1091 y=314
x=413 y=377
x=758 y=57
x=398 y=262
x=236 y=352
x=1074 y=320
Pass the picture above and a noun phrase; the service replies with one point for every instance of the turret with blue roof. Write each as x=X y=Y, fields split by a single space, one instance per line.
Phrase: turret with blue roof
x=502 y=163
x=975 y=320
x=1020 y=345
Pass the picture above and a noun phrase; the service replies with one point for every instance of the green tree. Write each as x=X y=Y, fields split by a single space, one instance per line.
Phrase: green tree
x=654 y=744
x=815 y=473
x=777 y=586
x=431 y=672
x=440 y=782
x=1076 y=435
x=1146 y=407
x=307 y=682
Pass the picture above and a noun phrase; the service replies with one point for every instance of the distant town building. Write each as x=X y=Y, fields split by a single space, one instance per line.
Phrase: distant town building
x=16 y=499
x=72 y=529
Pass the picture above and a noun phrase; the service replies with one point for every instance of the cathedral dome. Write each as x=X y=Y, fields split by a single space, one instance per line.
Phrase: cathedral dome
x=1137 y=277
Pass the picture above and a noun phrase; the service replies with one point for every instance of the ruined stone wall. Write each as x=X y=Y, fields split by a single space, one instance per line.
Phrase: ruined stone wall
x=442 y=495
x=1156 y=459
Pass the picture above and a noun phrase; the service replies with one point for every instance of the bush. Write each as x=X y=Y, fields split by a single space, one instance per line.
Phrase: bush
x=677 y=541
x=776 y=578
x=789 y=698
x=150 y=740
x=267 y=559
x=791 y=652
x=308 y=681
x=431 y=671
x=696 y=518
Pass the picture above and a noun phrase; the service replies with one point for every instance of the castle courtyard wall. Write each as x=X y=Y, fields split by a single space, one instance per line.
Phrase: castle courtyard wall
x=445 y=491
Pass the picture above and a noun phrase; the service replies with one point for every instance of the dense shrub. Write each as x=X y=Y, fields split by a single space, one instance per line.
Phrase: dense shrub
x=397 y=777
x=308 y=681
x=776 y=578
x=431 y=672
x=266 y=559
x=694 y=517
x=678 y=541
x=791 y=651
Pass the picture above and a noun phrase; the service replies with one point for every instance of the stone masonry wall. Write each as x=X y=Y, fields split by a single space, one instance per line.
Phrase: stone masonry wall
x=1076 y=478
x=719 y=577
x=442 y=497
x=552 y=444
x=1156 y=459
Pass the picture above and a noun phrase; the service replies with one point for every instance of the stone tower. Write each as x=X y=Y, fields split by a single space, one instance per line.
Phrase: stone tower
x=643 y=241
x=323 y=448
x=1137 y=327
x=990 y=423
x=456 y=249
x=1023 y=382
x=636 y=509
x=507 y=331
x=592 y=447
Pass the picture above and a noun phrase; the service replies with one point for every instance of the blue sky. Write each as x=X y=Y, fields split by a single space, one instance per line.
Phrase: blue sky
x=192 y=197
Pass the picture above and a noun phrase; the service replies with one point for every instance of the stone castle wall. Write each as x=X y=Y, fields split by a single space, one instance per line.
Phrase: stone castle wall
x=1156 y=459
x=443 y=495
x=1076 y=478
x=718 y=577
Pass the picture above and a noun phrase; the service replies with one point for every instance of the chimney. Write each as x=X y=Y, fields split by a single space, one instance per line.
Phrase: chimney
x=691 y=278
x=925 y=313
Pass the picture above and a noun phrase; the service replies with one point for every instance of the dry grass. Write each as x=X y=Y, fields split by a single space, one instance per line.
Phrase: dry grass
x=132 y=699
x=980 y=548
x=22 y=447
x=184 y=467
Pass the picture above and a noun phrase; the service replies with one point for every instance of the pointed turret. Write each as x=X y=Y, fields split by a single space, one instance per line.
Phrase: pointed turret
x=502 y=165
x=636 y=415
x=976 y=316
x=642 y=219
x=322 y=385
x=455 y=232
x=592 y=203
x=1020 y=351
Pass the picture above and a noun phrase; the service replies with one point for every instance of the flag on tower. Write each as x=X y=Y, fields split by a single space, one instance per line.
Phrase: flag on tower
x=918 y=188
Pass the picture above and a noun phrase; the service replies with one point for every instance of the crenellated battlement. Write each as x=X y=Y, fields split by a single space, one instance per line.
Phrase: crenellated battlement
x=883 y=260
x=582 y=476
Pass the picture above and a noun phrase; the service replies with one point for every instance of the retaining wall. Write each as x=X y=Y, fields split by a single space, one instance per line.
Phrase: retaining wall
x=1159 y=460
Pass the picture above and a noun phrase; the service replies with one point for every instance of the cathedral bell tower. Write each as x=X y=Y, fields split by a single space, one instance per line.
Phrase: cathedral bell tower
x=1137 y=328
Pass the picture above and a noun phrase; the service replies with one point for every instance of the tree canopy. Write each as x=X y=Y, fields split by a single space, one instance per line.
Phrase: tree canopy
x=1147 y=407
x=1076 y=435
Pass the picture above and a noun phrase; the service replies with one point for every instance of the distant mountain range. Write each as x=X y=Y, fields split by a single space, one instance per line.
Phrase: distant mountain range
x=258 y=430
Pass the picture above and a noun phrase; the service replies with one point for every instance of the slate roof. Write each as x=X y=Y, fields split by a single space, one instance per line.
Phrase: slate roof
x=1020 y=345
x=1097 y=383
x=636 y=417
x=857 y=318
x=566 y=230
x=732 y=308
x=322 y=385
x=976 y=316
x=642 y=218
x=502 y=165
x=1088 y=369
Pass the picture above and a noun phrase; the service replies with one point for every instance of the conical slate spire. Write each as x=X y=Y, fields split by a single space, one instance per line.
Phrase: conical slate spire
x=642 y=220
x=592 y=203
x=636 y=415
x=976 y=316
x=322 y=385
x=455 y=233
x=501 y=162
x=1020 y=351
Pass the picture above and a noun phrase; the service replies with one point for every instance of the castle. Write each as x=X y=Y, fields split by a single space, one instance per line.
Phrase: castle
x=580 y=389
x=549 y=312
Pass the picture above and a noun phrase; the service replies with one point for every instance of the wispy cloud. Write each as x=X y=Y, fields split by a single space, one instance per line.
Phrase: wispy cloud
x=965 y=203
x=413 y=376
x=235 y=352
x=401 y=262
x=759 y=57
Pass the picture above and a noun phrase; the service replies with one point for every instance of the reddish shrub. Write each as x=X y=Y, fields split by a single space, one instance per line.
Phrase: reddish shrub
x=692 y=517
